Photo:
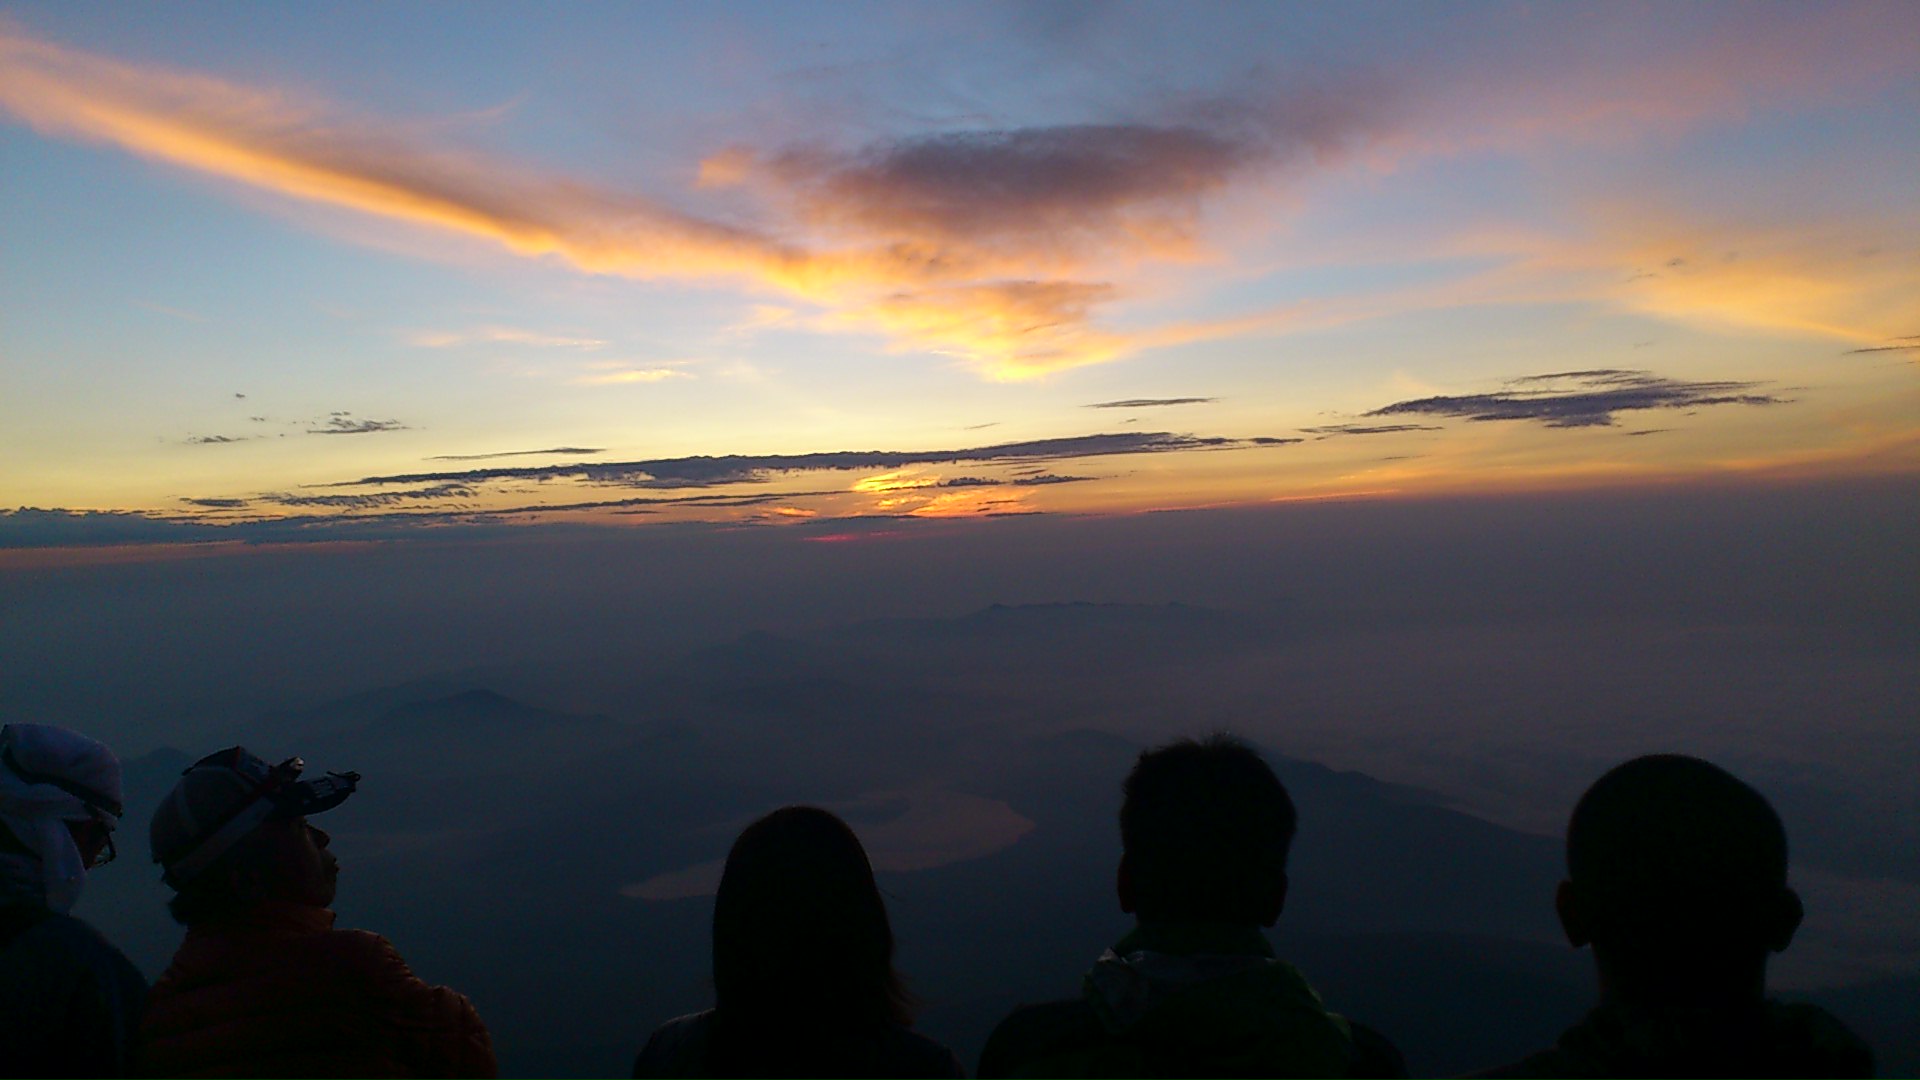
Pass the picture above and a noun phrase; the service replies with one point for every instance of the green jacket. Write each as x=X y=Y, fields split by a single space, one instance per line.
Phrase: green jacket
x=1188 y=999
x=1620 y=1038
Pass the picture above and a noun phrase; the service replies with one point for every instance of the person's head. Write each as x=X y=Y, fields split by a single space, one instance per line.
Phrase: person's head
x=1677 y=876
x=59 y=804
x=800 y=933
x=1204 y=832
x=233 y=834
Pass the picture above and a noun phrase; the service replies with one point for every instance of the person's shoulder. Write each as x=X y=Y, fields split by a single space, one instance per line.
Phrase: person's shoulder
x=57 y=934
x=1031 y=1032
x=1807 y=1036
x=1374 y=1055
x=676 y=1048
x=19 y=917
x=1545 y=1064
x=365 y=958
x=907 y=1053
x=66 y=930
x=360 y=950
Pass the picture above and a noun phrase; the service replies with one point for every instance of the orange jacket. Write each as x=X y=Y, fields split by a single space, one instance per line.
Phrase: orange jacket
x=282 y=993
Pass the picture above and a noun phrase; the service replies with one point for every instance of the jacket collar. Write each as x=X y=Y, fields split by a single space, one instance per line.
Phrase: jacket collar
x=278 y=918
x=1195 y=938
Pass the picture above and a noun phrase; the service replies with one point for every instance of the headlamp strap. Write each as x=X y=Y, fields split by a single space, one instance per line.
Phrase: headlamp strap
x=216 y=845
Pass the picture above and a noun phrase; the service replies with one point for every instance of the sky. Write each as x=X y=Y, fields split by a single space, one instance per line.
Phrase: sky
x=1549 y=373
x=366 y=271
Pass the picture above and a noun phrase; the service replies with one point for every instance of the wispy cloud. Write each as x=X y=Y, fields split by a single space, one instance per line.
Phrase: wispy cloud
x=373 y=500
x=215 y=440
x=1008 y=247
x=1329 y=430
x=620 y=376
x=1901 y=344
x=35 y=528
x=1035 y=480
x=1572 y=399
x=733 y=469
x=975 y=244
x=557 y=451
x=1850 y=280
x=342 y=423
x=442 y=339
x=1149 y=403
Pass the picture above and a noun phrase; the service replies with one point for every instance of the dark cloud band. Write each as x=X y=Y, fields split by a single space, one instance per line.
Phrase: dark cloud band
x=1149 y=403
x=693 y=472
x=1572 y=399
x=344 y=424
x=1329 y=430
x=558 y=451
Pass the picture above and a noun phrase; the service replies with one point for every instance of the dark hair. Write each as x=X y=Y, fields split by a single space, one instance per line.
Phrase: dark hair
x=212 y=894
x=1669 y=850
x=802 y=949
x=1206 y=827
x=204 y=903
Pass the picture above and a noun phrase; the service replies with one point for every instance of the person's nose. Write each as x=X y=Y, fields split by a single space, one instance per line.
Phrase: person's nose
x=320 y=837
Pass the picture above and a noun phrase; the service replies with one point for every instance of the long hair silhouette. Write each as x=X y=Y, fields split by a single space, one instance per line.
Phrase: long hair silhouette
x=802 y=949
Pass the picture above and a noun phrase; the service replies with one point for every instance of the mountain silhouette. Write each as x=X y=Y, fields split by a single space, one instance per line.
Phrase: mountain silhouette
x=494 y=835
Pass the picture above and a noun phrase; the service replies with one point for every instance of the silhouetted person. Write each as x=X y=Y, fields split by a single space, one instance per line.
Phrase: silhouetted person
x=1195 y=989
x=803 y=974
x=69 y=1001
x=1677 y=876
x=263 y=984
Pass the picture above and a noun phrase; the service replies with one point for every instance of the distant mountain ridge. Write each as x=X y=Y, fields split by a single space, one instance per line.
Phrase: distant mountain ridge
x=494 y=832
x=1195 y=624
x=470 y=711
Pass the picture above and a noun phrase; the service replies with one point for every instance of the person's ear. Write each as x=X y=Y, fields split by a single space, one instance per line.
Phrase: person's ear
x=1123 y=886
x=1785 y=920
x=1575 y=921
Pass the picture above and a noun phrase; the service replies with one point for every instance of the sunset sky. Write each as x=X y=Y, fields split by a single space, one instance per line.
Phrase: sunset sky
x=350 y=270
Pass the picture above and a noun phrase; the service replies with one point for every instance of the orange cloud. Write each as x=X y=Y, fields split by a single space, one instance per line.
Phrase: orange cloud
x=1030 y=327
x=267 y=140
x=620 y=376
x=1856 y=281
x=974 y=502
x=893 y=481
x=1002 y=248
x=902 y=273
x=991 y=247
x=1859 y=285
x=1851 y=280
